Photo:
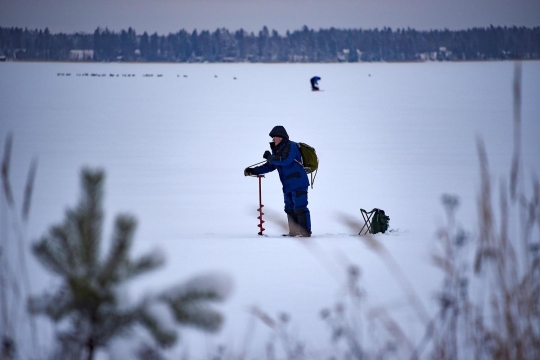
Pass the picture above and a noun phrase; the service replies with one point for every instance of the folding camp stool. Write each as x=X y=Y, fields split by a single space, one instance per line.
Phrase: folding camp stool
x=367 y=220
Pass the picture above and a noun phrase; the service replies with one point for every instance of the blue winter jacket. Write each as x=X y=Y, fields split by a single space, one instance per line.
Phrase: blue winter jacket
x=287 y=160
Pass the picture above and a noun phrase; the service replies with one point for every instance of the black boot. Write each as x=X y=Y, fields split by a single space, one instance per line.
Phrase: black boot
x=294 y=228
x=304 y=222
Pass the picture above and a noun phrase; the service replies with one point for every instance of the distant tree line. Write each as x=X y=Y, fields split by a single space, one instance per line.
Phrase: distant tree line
x=305 y=45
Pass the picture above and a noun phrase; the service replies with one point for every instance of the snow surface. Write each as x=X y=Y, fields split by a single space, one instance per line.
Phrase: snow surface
x=393 y=136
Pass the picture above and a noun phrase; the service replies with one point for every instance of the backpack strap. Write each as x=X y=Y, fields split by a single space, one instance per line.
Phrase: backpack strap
x=313 y=177
x=310 y=174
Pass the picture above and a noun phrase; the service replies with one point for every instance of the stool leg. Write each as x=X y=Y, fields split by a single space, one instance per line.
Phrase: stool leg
x=367 y=222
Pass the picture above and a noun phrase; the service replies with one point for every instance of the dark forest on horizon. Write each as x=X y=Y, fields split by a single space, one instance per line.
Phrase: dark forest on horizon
x=301 y=46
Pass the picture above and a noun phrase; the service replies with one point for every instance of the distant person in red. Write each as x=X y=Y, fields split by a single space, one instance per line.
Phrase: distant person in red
x=314 y=85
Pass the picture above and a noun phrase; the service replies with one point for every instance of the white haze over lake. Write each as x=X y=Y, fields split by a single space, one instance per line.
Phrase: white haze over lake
x=174 y=146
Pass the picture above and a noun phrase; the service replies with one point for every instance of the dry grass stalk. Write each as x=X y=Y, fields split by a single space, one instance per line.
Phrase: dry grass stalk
x=503 y=322
x=11 y=294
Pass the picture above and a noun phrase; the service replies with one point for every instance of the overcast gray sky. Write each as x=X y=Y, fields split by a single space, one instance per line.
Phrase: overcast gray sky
x=165 y=16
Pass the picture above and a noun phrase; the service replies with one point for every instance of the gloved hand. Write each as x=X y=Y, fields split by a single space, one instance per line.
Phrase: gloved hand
x=248 y=171
x=267 y=154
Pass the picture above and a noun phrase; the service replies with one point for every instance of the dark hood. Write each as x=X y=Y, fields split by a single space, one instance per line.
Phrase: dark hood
x=280 y=132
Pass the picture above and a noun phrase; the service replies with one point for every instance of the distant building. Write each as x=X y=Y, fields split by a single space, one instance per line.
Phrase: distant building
x=445 y=54
x=81 y=55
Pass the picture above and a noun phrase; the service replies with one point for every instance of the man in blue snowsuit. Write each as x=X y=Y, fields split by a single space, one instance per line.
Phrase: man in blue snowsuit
x=314 y=80
x=286 y=158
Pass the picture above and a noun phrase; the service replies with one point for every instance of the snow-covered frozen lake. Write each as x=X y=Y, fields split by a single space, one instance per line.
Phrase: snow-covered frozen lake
x=174 y=146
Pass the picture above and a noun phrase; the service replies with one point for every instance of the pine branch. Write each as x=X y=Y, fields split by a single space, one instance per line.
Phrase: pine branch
x=209 y=287
x=60 y=234
x=52 y=257
x=90 y=215
x=188 y=301
x=56 y=306
x=118 y=255
x=142 y=265
x=163 y=336
x=197 y=315
x=112 y=323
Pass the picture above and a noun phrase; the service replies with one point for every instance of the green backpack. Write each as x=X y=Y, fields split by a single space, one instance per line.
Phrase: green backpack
x=379 y=222
x=310 y=161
